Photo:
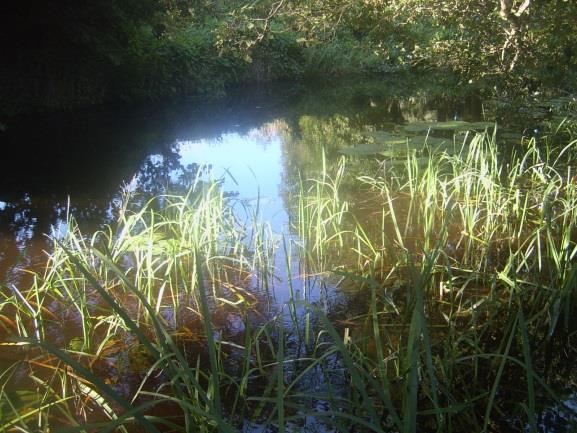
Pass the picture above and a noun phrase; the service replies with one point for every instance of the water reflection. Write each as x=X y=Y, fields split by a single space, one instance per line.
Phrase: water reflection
x=249 y=165
x=258 y=143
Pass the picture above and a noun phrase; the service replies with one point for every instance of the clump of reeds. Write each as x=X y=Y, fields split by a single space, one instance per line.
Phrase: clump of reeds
x=464 y=278
x=165 y=266
x=472 y=258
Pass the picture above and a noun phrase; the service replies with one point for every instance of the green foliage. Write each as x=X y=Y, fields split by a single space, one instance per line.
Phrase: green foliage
x=104 y=50
x=278 y=56
x=182 y=62
x=472 y=37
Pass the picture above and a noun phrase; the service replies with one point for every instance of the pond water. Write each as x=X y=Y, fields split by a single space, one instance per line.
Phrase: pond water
x=258 y=143
x=79 y=162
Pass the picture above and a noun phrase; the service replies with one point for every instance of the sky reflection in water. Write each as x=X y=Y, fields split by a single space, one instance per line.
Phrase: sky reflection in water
x=250 y=166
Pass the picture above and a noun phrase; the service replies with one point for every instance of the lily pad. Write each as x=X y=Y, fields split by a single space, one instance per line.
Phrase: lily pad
x=397 y=153
x=362 y=150
x=421 y=162
x=380 y=136
x=453 y=125
x=510 y=137
x=396 y=146
x=422 y=140
x=385 y=138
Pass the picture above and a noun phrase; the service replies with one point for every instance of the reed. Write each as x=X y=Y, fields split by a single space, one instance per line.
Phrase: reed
x=465 y=275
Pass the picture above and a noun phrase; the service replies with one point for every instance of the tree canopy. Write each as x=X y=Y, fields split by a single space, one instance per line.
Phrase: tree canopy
x=72 y=52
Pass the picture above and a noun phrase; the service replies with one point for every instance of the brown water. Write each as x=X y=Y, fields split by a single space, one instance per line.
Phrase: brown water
x=258 y=141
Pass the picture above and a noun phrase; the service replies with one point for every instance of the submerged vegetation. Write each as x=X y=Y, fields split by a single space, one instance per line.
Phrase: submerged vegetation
x=459 y=265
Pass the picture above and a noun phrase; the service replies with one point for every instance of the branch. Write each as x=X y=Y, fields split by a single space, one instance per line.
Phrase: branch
x=505 y=11
x=274 y=10
x=523 y=8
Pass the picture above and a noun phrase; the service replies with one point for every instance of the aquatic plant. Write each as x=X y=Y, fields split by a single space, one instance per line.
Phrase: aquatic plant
x=460 y=276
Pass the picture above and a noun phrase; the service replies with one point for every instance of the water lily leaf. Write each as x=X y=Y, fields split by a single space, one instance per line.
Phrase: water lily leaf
x=380 y=136
x=362 y=150
x=421 y=162
x=396 y=153
x=422 y=140
x=396 y=142
x=387 y=139
x=510 y=137
x=396 y=146
x=453 y=125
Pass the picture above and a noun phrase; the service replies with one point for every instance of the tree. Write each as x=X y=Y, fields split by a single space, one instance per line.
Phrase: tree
x=513 y=20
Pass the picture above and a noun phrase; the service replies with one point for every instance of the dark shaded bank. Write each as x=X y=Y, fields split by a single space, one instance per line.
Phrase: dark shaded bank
x=66 y=54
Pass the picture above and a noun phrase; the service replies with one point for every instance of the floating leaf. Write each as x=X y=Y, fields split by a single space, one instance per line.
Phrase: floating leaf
x=387 y=139
x=380 y=136
x=363 y=150
x=422 y=140
x=396 y=145
x=510 y=137
x=397 y=153
x=452 y=125
x=421 y=162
